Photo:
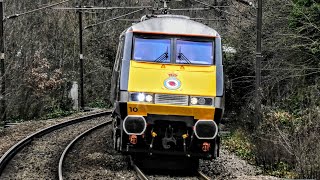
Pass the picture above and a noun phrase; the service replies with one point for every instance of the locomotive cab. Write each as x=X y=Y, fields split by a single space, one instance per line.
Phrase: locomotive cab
x=167 y=89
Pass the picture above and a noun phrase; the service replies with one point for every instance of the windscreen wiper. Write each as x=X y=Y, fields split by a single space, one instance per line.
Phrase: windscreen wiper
x=181 y=56
x=162 y=57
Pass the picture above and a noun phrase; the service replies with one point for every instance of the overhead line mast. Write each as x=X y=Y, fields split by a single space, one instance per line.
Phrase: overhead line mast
x=2 y=66
x=258 y=63
x=81 y=59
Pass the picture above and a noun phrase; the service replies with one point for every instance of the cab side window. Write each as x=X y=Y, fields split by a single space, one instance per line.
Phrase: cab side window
x=115 y=80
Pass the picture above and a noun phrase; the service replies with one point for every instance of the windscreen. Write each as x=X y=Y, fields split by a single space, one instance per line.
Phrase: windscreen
x=153 y=50
x=194 y=52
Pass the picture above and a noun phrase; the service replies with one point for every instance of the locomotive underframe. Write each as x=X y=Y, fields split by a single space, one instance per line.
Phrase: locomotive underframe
x=164 y=135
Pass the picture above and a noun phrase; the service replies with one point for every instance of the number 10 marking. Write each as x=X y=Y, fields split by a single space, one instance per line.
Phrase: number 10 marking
x=133 y=109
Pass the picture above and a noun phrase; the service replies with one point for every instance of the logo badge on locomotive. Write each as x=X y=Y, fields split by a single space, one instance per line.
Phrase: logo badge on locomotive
x=172 y=83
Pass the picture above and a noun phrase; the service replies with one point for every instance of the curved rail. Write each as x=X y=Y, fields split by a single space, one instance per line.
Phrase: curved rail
x=140 y=174
x=203 y=176
x=5 y=159
x=71 y=144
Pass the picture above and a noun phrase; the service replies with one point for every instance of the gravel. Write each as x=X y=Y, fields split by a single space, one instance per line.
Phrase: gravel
x=40 y=159
x=229 y=166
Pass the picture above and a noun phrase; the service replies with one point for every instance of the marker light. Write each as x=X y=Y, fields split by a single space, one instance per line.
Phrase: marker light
x=141 y=97
x=201 y=101
x=149 y=98
x=194 y=101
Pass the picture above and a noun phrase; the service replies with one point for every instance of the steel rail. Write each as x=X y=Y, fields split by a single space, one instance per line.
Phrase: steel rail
x=5 y=159
x=72 y=143
x=202 y=176
x=140 y=174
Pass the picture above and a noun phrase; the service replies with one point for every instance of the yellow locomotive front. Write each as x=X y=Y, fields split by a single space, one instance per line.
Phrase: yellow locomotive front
x=168 y=89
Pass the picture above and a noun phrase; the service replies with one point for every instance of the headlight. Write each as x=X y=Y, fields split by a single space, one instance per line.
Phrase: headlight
x=194 y=100
x=141 y=97
x=149 y=98
x=201 y=101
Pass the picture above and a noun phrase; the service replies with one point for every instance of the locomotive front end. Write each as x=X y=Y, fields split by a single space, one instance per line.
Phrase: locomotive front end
x=170 y=96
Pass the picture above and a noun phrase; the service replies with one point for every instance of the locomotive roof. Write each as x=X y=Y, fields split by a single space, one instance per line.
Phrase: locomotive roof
x=171 y=24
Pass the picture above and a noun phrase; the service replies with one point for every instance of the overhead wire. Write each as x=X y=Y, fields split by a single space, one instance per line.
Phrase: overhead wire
x=131 y=20
x=206 y=19
x=101 y=8
x=118 y=17
x=188 y=9
x=217 y=9
x=208 y=7
x=211 y=6
x=34 y=10
x=226 y=12
x=115 y=18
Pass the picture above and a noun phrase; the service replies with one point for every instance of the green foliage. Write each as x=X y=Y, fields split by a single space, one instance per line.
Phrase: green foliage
x=58 y=113
x=98 y=104
x=304 y=19
x=301 y=99
x=287 y=141
x=239 y=143
x=243 y=146
x=292 y=142
x=283 y=170
x=16 y=119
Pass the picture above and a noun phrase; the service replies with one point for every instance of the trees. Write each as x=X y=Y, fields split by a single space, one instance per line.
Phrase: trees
x=305 y=20
x=290 y=85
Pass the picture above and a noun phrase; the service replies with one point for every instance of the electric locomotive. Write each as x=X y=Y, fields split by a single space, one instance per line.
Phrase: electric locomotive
x=168 y=89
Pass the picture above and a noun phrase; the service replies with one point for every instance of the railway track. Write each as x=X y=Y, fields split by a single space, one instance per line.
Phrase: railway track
x=71 y=144
x=142 y=176
x=22 y=144
x=202 y=176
